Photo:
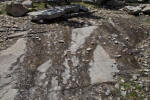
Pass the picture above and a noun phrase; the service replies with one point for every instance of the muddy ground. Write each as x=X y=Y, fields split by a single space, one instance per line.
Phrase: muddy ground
x=102 y=56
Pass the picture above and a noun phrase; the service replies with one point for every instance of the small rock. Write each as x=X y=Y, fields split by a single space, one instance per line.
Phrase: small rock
x=61 y=41
x=99 y=37
x=116 y=42
x=135 y=77
x=123 y=93
x=16 y=9
x=122 y=88
x=88 y=49
x=1 y=40
x=127 y=38
x=28 y=3
x=104 y=43
x=92 y=43
x=107 y=92
x=117 y=85
x=117 y=56
x=122 y=80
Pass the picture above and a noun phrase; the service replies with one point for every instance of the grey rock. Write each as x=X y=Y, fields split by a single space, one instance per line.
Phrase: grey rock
x=61 y=41
x=18 y=34
x=135 y=77
x=88 y=49
x=83 y=8
x=53 y=12
x=133 y=10
x=16 y=9
x=28 y=3
x=1 y=40
x=117 y=86
x=146 y=10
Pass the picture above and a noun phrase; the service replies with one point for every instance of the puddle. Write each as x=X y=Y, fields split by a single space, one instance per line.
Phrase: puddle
x=102 y=66
x=79 y=35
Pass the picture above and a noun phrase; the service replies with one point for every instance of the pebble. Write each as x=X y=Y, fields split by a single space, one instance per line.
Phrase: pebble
x=122 y=88
x=1 y=40
x=127 y=38
x=92 y=43
x=116 y=42
x=122 y=80
x=117 y=85
x=135 y=77
x=99 y=37
x=61 y=41
x=41 y=21
x=104 y=43
x=109 y=37
x=88 y=49
x=117 y=56
x=124 y=93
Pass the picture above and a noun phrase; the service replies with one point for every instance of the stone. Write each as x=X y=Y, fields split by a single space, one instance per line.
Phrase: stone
x=28 y=3
x=117 y=85
x=116 y=42
x=1 y=40
x=16 y=9
x=146 y=10
x=18 y=34
x=117 y=56
x=61 y=41
x=122 y=80
x=134 y=77
x=88 y=49
x=53 y=12
x=133 y=10
x=83 y=8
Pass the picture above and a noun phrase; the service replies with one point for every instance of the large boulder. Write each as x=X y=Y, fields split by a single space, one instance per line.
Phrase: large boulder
x=16 y=9
x=134 y=10
x=46 y=14
x=53 y=12
x=28 y=3
x=146 y=10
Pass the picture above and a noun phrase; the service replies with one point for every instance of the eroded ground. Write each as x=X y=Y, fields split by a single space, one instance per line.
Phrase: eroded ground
x=83 y=58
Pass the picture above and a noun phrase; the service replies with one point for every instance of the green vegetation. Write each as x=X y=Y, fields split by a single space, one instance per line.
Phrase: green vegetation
x=1 y=8
x=86 y=5
x=1 y=12
x=38 y=5
x=134 y=91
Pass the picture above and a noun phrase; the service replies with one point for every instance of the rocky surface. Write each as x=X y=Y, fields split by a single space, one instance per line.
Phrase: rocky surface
x=136 y=10
x=103 y=56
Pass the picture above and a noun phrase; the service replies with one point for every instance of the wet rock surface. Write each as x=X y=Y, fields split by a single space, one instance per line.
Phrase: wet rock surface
x=79 y=58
